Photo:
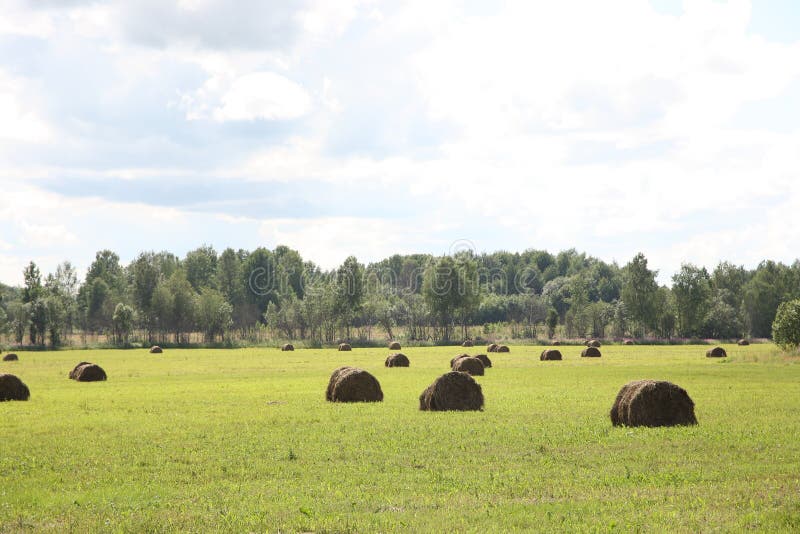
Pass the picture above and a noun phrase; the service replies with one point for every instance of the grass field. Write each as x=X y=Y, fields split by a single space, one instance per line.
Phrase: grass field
x=242 y=440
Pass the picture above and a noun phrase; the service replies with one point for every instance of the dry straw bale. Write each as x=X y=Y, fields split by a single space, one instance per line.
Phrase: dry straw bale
x=503 y=348
x=350 y=384
x=550 y=354
x=492 y=347
x=467 y=343
x=90 y=372
x=12 y=388
x=590 y=352
x=397 y=360
x=484 y=360
x=742 y=342
x=332 y=382
x=452 y=391
x=394 y=345
x=155 y=349
x=469 y=365
x=716 y=352
x=593 y=343
x=652 y=403
x=288 y=347
x=10 y=357
x=345 y=347
x=74 y=372
x=453 y=360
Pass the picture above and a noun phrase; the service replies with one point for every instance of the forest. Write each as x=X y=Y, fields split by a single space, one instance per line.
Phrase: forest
x=241 y=297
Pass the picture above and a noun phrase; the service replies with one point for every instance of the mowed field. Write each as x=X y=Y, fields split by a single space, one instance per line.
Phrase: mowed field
x=243 y=441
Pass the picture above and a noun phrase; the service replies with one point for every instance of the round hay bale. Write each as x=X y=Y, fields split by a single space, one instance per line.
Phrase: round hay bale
x=503 y=348
x=467 y=343
x=394 y=345
x=492 y=347
x=472 y=366
x=332 y=382
x=345 y=347
x=288 y=347
x=12 y=388
x=550 y=354
x=74 y=372
x=590 y=352
x=556 y=343
x=10 y=357
x=355 y=385
x=743 y=343
x=458 y=357
x=652 y=403
x=593 y=343
x=155 y=349
x=716 y=352
x=452 y=391
x=90 y=373
x=397 y=360
x=484 y=360
x=627 y=342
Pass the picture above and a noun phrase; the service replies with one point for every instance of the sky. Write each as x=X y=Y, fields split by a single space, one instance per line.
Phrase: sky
x=370 y=128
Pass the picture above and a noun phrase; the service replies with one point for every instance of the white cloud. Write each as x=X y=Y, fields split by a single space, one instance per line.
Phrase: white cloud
x=19 y=118
x=263 y=95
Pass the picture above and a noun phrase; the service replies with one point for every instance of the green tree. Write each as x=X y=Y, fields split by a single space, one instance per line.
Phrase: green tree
x=349 y=291
x=639 y=293
x=213 y=314
x=201 y=267
x=123 y=319
x=786 y=327
x=692 y=289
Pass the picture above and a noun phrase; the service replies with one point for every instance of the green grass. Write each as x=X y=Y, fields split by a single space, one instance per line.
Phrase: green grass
x=242 y=440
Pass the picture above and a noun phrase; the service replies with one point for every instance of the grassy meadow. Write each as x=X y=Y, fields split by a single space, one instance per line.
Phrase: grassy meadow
x=242 y=440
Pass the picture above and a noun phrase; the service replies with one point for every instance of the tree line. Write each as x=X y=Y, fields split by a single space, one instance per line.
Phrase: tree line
x=240 y=296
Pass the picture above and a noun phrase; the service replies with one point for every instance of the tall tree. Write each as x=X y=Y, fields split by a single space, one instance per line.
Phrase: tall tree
x=639 y=290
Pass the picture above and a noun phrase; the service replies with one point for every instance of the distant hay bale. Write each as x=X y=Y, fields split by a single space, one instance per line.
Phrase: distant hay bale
x=593 y=343
x=10 y=357
x=467 y=343
x=556 y=343
x=74 y=372
x=716 y=352
x=394 y=345
x=397 y=360
x=345 y=347
x=12 y=388
x=590 y=352
x=452 y=391
x=472 y=366
x=652 y=403
x=742 y=342
x=350 y=384
x=288 y=347
x=492 y=347
x=503 y=348
x=453 y=360
x=90 y=373
x=550 y=354
x=155 y=349
x=484 y=360
x=627 y=342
